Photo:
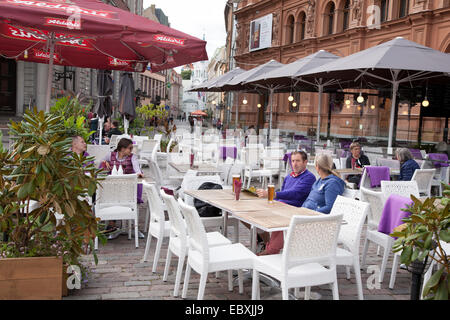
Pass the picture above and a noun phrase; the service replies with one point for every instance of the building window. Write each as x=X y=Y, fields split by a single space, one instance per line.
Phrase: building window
x=384 y=10
x=290 y=30
x=346 y=15
x=329 y=18
x=404 y=6
x=302 y=21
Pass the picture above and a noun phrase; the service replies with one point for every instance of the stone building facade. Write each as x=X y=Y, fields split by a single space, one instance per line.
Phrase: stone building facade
x=342 y=27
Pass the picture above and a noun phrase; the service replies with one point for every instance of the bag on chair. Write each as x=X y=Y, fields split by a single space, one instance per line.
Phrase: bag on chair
x=204 y=209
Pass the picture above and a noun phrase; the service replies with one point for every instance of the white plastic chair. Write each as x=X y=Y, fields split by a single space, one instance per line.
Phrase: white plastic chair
x=116 y=200
x=441 y=175
x=205 y=259
x=148 y=150
x=424 y=178
x=354 y=214
x=178 y=241
x=376 y=202
x=98 y=152
x=158 y=227
x=308 y=257
x=401 y=188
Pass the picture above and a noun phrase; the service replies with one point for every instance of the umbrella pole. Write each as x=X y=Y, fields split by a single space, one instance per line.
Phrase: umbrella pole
x=391 y=121
x=50 y=71
x=270 y=117
x=237 y=115
x=319 y=110
x=100 y=123
x=125 y=125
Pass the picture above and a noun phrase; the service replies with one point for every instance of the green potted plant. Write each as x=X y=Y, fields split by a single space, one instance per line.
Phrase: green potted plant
x=41 y=168
x=419 y=240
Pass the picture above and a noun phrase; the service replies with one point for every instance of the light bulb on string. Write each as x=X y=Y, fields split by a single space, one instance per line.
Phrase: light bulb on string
x=372 y=107
x=244 y=101
x=291 y=98
x=294 y=104
x=425 y=102
x=25 y=54
x=360 y=98
x=259 y=105
x=348 y=102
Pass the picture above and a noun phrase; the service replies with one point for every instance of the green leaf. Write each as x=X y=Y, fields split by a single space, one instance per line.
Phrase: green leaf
x=428 y=241
x=43 y=217
x=442 y=292
x=434 y=280
x=22 y=193
x=406 y=255
x=444 y=235
x=415 y=254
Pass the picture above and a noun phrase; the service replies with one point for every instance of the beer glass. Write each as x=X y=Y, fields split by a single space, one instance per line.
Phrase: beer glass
x=270 y=192
x=236 y=177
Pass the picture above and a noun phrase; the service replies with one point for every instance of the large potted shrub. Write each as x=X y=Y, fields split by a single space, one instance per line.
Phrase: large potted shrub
x=39 y=178
x=420 y=241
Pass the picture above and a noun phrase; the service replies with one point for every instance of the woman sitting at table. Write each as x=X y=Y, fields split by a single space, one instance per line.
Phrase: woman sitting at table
x=326 y=189
x=122 y=156
x=356 y=160
x=407 y=164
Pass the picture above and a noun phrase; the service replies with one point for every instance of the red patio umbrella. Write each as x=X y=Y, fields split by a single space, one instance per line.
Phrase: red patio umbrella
x=199 y=113
x=91 y=34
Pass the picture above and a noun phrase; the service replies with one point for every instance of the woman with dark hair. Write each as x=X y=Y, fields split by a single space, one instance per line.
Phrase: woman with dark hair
x=123 y=156
x=407 y=164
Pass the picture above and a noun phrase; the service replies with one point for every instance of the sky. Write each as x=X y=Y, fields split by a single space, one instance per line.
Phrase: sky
x=196 y=18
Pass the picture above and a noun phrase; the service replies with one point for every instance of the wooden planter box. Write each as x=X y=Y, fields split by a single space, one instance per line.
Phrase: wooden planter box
x=37 y=278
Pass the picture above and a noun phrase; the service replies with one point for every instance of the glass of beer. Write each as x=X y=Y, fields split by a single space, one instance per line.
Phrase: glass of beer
x=236 y=177
x=270 y=192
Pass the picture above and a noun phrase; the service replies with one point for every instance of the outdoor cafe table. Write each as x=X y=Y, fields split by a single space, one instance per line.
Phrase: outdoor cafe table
x=201 y=168
x=257 y=212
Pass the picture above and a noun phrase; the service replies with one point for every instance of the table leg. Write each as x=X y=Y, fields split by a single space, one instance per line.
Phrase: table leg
x=225 y=222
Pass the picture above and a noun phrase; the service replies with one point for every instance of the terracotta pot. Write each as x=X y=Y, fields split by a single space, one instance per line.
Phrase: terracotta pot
x=37 y=278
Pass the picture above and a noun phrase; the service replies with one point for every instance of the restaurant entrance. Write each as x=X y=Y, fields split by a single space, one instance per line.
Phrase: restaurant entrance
x=7 y=86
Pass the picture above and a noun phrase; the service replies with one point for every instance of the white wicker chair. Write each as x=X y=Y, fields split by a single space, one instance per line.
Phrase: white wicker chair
x=158 y=227
x=354 y=214
x=116 y=200
x=401 y=188
x=308 y=258
x=205 y=259
x=178 y=242
x=98 y=152
x=376 y=202
x=424 y=178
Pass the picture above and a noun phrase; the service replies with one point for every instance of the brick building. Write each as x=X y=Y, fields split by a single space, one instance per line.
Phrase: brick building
x=342 y=27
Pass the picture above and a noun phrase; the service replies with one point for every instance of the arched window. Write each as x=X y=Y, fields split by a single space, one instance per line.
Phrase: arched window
x=384 y=10
x=404 y=8
x=290 y=30
x=329 y=18
x=346 y=15
x=302 y=24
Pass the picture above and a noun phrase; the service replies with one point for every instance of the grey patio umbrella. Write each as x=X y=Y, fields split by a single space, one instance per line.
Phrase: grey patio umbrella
x=210 y=85
x=103 y=108
x=127 y=102
x=239 y=83
x=286 y=77
x=396 y=62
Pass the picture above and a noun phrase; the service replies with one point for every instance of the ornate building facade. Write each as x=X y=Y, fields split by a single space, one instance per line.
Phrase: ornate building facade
x=342 y=27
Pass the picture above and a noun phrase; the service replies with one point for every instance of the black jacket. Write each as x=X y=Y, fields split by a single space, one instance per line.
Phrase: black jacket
x=360 y=163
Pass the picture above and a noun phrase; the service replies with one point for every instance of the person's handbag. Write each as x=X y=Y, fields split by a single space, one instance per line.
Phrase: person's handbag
x=204 y=209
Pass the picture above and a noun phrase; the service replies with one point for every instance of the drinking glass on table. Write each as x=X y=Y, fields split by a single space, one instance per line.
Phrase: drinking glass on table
x=270 y=192
x=236 y=177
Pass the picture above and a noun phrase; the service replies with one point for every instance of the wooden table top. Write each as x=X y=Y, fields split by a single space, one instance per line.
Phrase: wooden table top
x=259 y=212
x=349 y=171
x=201 y=167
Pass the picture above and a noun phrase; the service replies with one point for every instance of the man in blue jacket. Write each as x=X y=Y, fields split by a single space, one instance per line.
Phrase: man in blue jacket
x=294 y=191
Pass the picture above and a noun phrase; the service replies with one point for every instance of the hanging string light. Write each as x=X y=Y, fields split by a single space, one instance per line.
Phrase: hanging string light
x=291 y=98
x=372 y=107
x=360 y=98
x=259 y=105
x=244 y=101
x=25 y=54
x=294 y=104
x=425 y=101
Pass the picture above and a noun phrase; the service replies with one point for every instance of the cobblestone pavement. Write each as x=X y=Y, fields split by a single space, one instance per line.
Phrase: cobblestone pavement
x=120 y=274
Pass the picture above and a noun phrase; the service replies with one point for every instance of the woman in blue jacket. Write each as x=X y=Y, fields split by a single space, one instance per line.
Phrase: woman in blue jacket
x=407 y=164
x=326 y=189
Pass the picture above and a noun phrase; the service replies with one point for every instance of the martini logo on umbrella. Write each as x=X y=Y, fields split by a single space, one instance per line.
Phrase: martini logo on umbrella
x=38 y=35
x=64 y=7
x=167 y=39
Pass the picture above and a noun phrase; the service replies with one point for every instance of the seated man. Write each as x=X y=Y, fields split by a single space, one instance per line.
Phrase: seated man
x=114 y=129
x=295 y=190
